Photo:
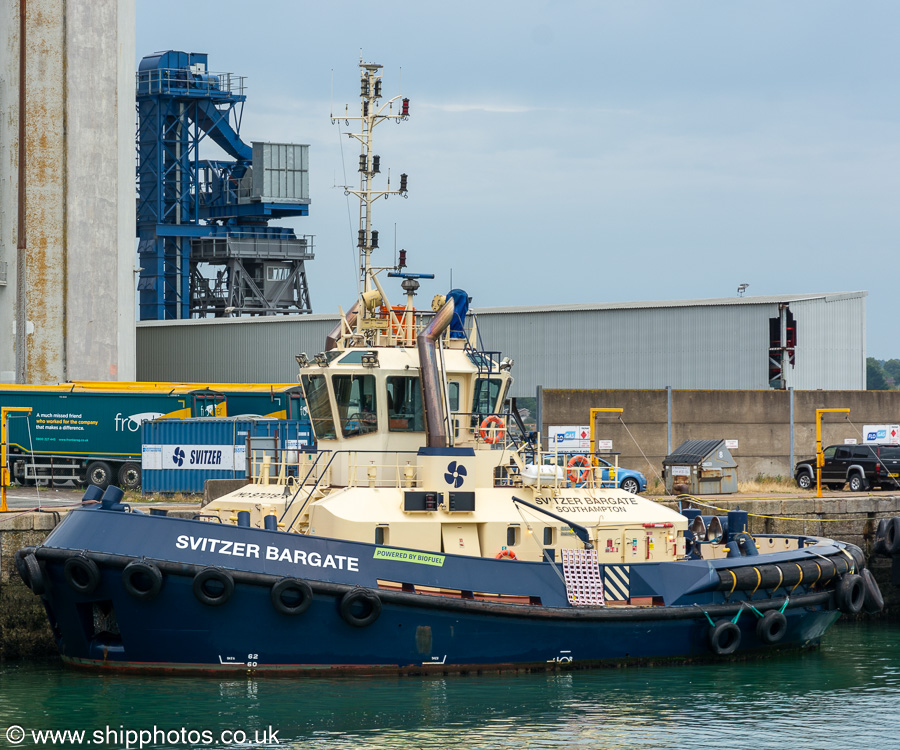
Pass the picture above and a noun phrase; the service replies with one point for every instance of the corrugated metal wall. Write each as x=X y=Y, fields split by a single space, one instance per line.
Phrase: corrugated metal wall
x=684 y=347
x=687 y=346
x=831 y=344
x=245 y=350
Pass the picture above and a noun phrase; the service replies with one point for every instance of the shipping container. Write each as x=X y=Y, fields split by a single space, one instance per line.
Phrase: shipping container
x=180 y=456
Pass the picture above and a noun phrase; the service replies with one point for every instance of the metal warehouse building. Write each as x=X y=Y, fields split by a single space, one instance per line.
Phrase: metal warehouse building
x=806 y=342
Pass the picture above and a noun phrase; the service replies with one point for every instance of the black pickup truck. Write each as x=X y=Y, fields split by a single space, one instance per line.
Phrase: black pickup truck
x=861 y=466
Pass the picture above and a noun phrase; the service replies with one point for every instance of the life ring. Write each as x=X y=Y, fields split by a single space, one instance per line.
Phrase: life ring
x=505 y=554
x=360 y=607
x=142 y=580
x=576 y=475
x=82 y=574
x=851 y=594
x=724 y=637
x=291 y=596
x=221 y=591
x=35 y=580
x=772 y=627
x=493 y=434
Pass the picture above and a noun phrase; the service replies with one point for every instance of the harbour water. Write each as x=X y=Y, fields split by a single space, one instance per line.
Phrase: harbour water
x=843 y=695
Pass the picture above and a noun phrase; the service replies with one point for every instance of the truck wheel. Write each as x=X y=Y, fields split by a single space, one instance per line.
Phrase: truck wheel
x=129 y=476
x=857 y=483
x=99 y=473
x=804 y=481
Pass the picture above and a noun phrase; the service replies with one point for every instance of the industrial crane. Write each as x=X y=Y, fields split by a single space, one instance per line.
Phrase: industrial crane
x=204 y=241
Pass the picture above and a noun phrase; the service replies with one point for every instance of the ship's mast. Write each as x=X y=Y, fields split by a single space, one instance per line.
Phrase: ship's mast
x=374 y=112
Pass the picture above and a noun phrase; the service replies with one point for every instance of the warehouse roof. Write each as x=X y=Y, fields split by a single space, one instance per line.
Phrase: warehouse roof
x=585 y=307
x=713 y=302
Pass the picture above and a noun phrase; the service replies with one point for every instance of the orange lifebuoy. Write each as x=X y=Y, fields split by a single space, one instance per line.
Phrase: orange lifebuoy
x=506 y=554
x=578 y=475
x=493 y=434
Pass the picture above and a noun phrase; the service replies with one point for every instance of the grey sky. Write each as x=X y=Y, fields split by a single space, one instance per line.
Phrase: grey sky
x=565 y=152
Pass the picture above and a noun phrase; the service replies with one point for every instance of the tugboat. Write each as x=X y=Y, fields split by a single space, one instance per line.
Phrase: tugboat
x=428 y=531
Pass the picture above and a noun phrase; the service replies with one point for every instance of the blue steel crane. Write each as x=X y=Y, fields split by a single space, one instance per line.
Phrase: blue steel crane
x=205 y=244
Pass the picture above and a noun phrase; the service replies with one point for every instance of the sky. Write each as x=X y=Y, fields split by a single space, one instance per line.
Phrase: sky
x=586 y=152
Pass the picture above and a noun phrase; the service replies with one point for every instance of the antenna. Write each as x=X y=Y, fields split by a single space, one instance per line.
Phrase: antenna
x=373 y=113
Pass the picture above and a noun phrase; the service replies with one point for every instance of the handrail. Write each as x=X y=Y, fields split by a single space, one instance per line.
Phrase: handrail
x=303 y=483
x=315 y=486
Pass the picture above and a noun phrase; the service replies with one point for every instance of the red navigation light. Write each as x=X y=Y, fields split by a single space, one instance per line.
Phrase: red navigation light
x=402 y=262
x=404 y=111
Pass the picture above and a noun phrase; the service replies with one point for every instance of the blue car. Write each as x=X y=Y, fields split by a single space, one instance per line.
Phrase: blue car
x=627 y=479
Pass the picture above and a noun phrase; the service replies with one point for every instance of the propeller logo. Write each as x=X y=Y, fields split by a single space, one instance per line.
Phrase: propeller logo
x=456 y=474
x=178 y=457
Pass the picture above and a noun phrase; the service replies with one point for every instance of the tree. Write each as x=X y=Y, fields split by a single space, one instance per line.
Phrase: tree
x=892 y=368
x=875 y=379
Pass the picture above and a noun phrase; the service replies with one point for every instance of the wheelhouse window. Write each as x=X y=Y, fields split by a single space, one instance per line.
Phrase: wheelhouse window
x=453 y=392
x=404 y=400
x=319 y=405
x=356 y=404
x=486 y=392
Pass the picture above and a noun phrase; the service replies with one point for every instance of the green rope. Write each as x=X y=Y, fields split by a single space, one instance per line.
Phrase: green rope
x=758 y=613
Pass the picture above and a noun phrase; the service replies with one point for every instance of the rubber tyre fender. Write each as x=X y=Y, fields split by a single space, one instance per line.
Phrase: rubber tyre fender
x=874 y=601
x=804 y=480
x=143 y=572
x=771 y=627
x=371 y=607
x=880 y=546
x=892 y=536
x=35 y=574
x=82 y=574
x=724 y=638
x=303 y=589
x=851 y=594
x=20 y=565
x=213 y=574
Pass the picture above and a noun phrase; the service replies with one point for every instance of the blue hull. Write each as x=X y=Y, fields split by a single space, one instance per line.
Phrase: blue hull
x=110 y=627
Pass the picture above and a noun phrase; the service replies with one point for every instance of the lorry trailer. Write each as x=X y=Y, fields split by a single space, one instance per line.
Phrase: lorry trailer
x=90 y=433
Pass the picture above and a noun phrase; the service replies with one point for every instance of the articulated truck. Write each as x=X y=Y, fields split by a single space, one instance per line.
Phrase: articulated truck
x=90 y=432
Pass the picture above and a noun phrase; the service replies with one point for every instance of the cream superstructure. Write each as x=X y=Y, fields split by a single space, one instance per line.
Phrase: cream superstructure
x=416 y=447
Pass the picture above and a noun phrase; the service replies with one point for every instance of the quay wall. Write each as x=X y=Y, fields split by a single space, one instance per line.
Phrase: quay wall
x=24 y=630
x=759 y=420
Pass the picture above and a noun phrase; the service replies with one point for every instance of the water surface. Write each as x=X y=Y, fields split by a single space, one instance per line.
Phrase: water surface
x=844 y=695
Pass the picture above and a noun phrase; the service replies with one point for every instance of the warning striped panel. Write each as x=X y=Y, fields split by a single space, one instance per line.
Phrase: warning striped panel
x=617 y=582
